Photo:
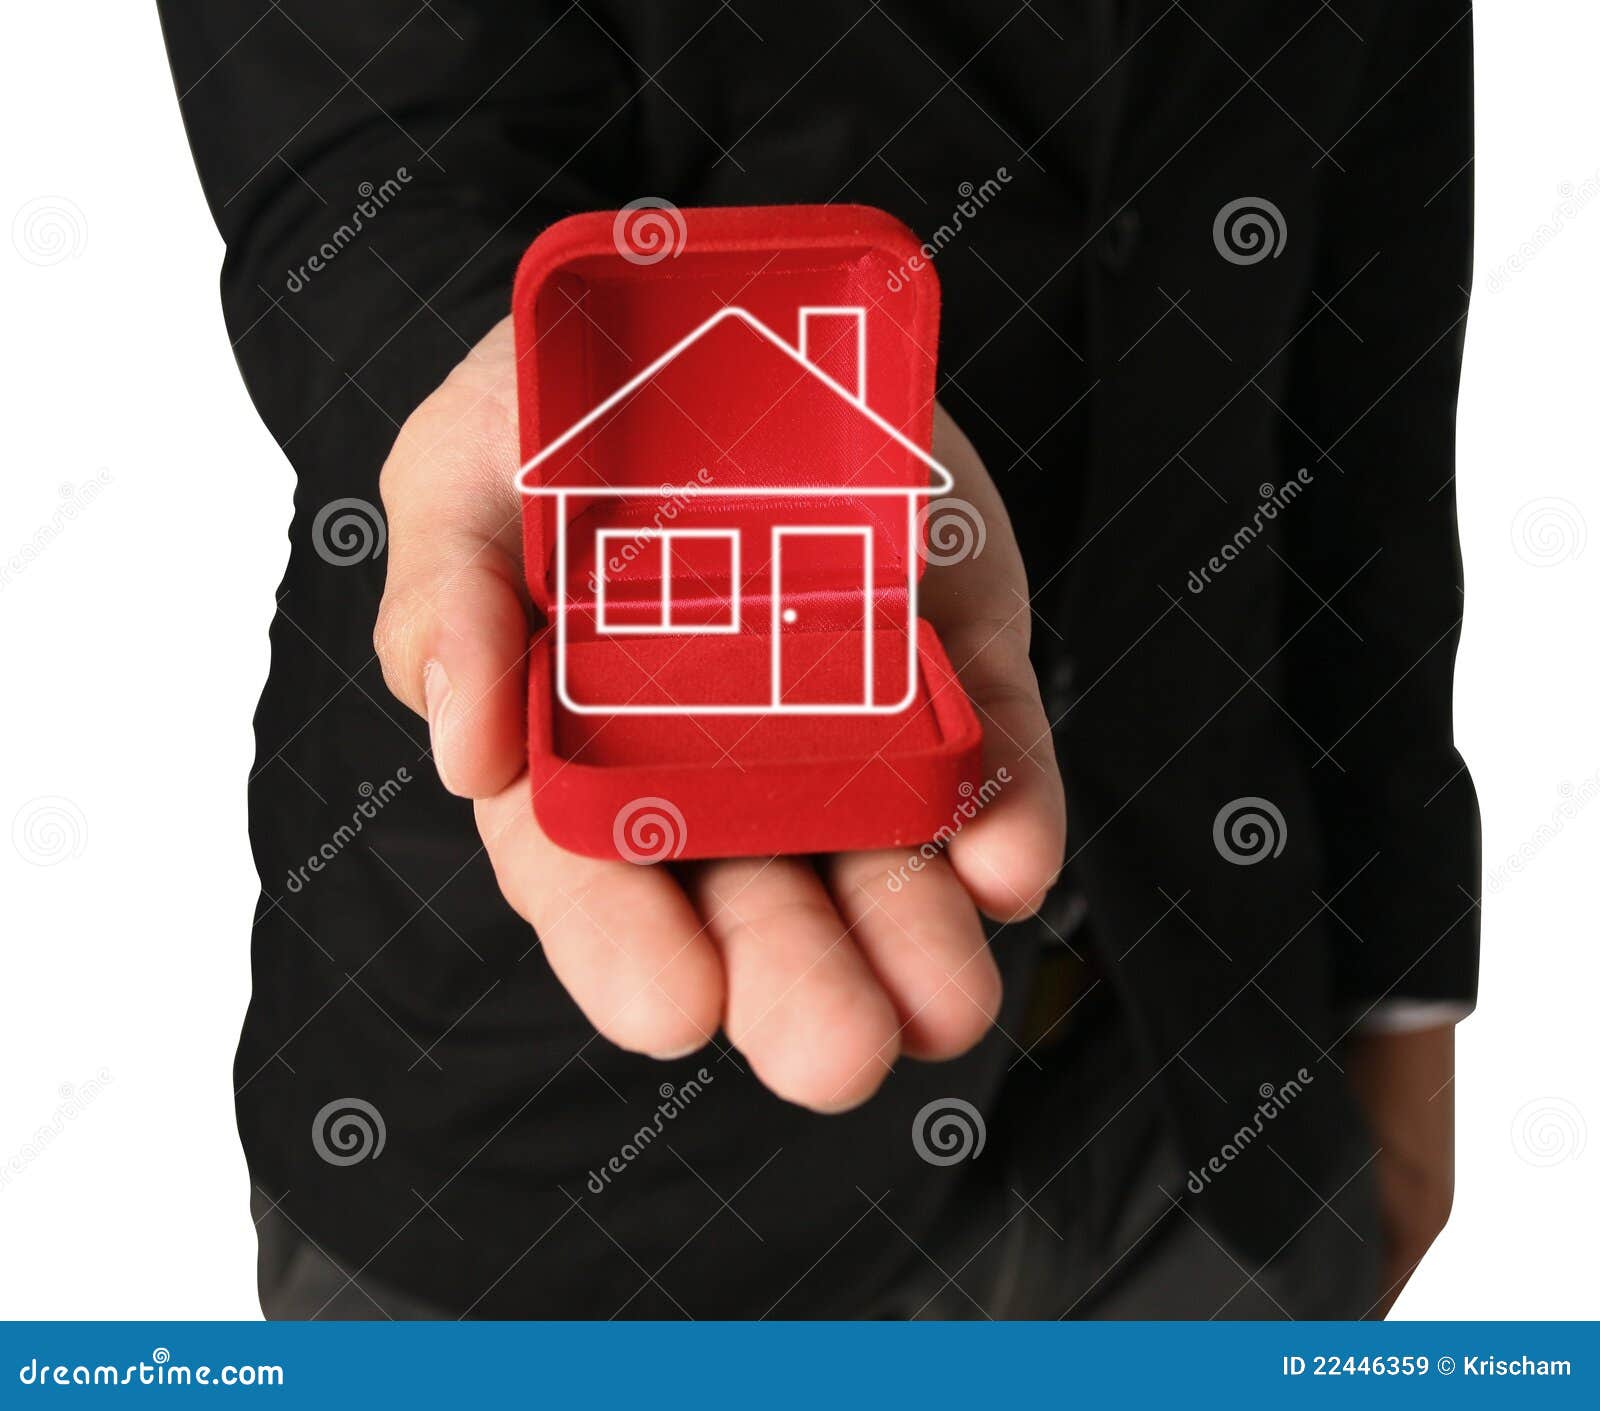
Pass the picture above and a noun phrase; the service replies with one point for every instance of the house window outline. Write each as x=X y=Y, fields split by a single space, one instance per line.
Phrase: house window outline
x=663 y=625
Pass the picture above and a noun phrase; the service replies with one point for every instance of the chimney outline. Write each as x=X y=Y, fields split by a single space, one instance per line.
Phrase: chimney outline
x=856 y=384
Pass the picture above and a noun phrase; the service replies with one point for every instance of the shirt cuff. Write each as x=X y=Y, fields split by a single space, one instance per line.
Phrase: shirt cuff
x=1406 y=1016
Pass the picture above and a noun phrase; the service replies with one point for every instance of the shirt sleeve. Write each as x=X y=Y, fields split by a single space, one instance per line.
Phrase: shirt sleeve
x=1375 y=564
x=376 y=171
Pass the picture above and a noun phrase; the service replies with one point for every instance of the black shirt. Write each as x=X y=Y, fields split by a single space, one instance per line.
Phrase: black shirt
x=1141 y=380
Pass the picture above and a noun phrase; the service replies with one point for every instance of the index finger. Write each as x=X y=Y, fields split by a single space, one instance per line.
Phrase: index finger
x=623 y=939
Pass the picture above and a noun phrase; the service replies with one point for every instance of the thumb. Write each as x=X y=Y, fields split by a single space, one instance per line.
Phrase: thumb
x=452 y=629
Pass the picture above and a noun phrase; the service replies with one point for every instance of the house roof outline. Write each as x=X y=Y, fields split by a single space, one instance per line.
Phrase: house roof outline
x=942 y=481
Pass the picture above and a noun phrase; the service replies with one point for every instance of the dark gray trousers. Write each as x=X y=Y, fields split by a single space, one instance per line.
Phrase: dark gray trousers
x=1091 y=1221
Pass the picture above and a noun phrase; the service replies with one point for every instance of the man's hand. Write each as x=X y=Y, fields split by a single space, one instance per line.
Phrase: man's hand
x=1405 y=1084
x=819 y=973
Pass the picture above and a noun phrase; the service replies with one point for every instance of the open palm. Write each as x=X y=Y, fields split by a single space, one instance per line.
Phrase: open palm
x=822 y=971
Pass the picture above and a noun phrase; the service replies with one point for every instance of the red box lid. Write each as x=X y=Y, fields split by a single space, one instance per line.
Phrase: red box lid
x=761 y=364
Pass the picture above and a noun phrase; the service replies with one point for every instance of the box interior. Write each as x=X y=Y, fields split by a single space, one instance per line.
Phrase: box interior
x=734 y=412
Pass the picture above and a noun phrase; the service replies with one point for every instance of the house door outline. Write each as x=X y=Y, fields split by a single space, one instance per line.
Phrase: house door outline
x=783 y=617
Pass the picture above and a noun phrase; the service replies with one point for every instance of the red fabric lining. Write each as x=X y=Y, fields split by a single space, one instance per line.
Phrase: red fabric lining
x=752 y=785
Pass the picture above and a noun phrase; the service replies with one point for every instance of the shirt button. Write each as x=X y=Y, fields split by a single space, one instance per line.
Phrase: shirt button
x=1120 y=239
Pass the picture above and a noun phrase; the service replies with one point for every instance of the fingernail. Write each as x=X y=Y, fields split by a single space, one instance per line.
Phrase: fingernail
x=436 y=697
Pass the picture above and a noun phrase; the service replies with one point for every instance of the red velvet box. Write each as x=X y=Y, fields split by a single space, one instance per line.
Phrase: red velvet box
x=726 y=420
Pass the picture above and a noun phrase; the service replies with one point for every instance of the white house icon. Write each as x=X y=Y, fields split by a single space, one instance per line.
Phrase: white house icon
x=815 y=579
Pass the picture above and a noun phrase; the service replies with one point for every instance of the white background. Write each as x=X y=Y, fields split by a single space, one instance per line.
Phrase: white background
x=143 y=512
